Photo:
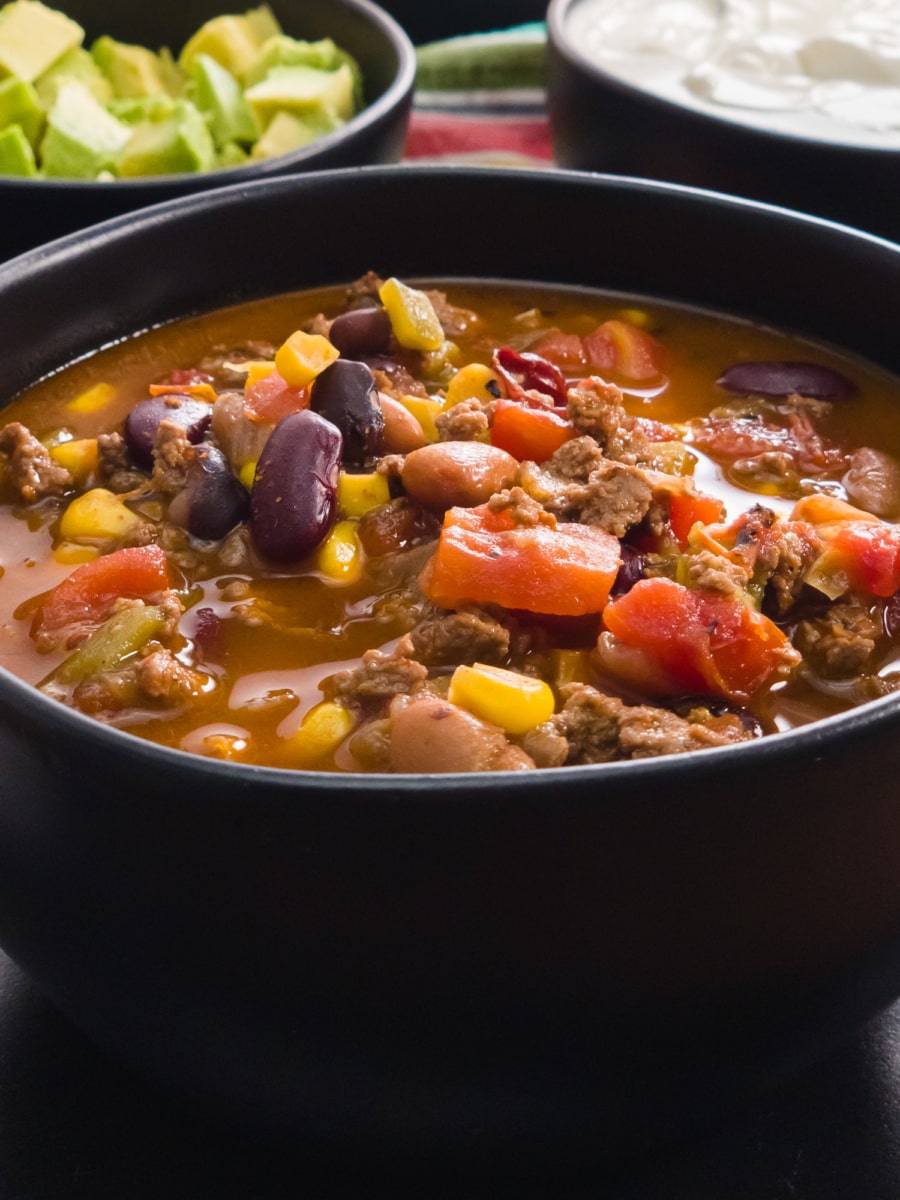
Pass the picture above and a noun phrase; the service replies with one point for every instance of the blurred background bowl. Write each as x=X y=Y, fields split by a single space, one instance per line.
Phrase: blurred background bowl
x=601 y=122
x=574 y=961
x=37 y=210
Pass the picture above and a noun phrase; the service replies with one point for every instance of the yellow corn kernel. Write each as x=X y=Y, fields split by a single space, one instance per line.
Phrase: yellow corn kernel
x=414 y=322
x=358 y=493
x=79 y=457
x=97 y=514
x=473 y=382
x=636 y=316
x=256 y=371
x=93 y=399
x=570 y=666
x=68 y=553
x=515 y=702
x=339 y=557
x=304 y=356
x=247 y=474
x=425 y=411
x=320 y=733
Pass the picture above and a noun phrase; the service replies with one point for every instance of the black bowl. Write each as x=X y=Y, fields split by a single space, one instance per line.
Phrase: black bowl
x=37 y=210
x=563 y=962
x=601 y=123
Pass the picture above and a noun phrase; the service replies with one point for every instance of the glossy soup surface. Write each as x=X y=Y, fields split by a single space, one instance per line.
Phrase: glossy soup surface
x=682 y=615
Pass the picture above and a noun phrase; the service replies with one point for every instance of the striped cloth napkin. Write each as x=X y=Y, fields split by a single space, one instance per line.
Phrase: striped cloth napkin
x=480 y=99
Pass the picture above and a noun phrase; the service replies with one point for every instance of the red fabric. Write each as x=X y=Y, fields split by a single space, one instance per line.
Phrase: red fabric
x=433 y=135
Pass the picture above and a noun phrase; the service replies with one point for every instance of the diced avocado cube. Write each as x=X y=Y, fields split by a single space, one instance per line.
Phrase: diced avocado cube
x=132 y=70
x=134 y=109
x=181 y=142
x=219 y=97
x=284 y=134
x=20 y=105
x=82 y=138
x=286 y=51
x=16 y=154
x=74 y=64
x=303 y=91
x=33 y=37
x=233 y=41
x=231 y=155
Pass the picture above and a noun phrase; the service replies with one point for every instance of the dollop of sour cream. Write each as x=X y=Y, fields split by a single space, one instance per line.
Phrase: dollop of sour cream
x=826 y=69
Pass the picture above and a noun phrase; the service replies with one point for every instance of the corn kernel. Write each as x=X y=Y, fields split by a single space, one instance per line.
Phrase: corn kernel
x=636 y=316
x=320 y=733
x=79 y=457
x=67 y=553
x=515 y=702
x=247 y=474
x=339 y=557
x=570 y=666
x=93 y=399
x=414 y=322
x=304 y=356
x=98 y=514
x=476 y=381
x=358 y=493
x=425 y=411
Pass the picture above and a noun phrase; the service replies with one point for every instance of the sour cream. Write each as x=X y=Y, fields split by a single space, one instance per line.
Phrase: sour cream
x=826 y=69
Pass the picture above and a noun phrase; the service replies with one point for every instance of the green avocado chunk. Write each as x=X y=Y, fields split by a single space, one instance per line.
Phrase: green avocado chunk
x=219 y=97
x=20 y=105
x=33 y=37
x=132 y=70
x=180 y=142
x=74 y=64
x=82 y=138
x=233 y=41
x=303 y=91
x=16 y=154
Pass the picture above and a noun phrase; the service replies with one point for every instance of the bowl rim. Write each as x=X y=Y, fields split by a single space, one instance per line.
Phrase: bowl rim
x=396 y=94
x=664 y=107
x=26 y=702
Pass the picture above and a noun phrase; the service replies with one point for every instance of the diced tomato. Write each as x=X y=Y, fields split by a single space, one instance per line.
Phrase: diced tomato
x=708 y=643
x=87 y=595
x=566 y=350
x=483 y=557
x=270 y=398
x=686 y=510
x=869 y=552
x=622 y=347
x=655 y=431
x=527 y=432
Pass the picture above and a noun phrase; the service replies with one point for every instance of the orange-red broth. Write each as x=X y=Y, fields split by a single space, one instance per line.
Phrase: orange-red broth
x=270 y=679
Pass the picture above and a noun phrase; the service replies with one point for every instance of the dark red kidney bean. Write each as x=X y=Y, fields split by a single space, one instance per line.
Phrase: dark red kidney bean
x=143 y=421
x=293 y=500
x=719 y=707
x=213 y=500
x=525 y=371
x=631 y=570
x=891 y=616
x=345 y=394
x=784 y=379
x=361 y=332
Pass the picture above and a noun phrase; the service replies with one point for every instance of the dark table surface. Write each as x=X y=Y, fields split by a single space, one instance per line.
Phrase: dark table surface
x=74 y=1124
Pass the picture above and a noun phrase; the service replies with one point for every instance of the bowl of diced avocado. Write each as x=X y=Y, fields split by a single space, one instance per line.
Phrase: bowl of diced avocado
x=106 y=108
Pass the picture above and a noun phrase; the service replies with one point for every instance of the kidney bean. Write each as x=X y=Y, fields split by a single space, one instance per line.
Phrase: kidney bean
x=785 y=378
x=718 y=706
x=213 y=500
x=444 y=474
x=142 y=423
x=294 y=495
x=402 y=432
x=526 y=371
x=891 y=616
x=345 y=394
x=631 y=570
x=361 y=332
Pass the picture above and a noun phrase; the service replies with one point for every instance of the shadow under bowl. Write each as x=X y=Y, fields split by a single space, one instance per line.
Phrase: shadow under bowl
x=569 y=962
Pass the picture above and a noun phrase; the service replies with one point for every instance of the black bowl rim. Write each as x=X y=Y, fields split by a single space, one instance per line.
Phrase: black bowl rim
x=667 y=108
x=815 y=739
x=397 y=93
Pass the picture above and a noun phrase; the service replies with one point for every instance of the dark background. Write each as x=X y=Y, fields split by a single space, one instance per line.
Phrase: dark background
x=430 y=20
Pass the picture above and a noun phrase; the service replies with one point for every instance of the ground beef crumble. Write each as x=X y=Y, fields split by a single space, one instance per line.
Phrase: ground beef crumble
x=28 y=467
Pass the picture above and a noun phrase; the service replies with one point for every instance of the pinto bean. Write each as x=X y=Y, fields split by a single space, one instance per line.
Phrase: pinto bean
x=873 y=482
x=431 y=736
x=445 y=474
x=402 y=432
